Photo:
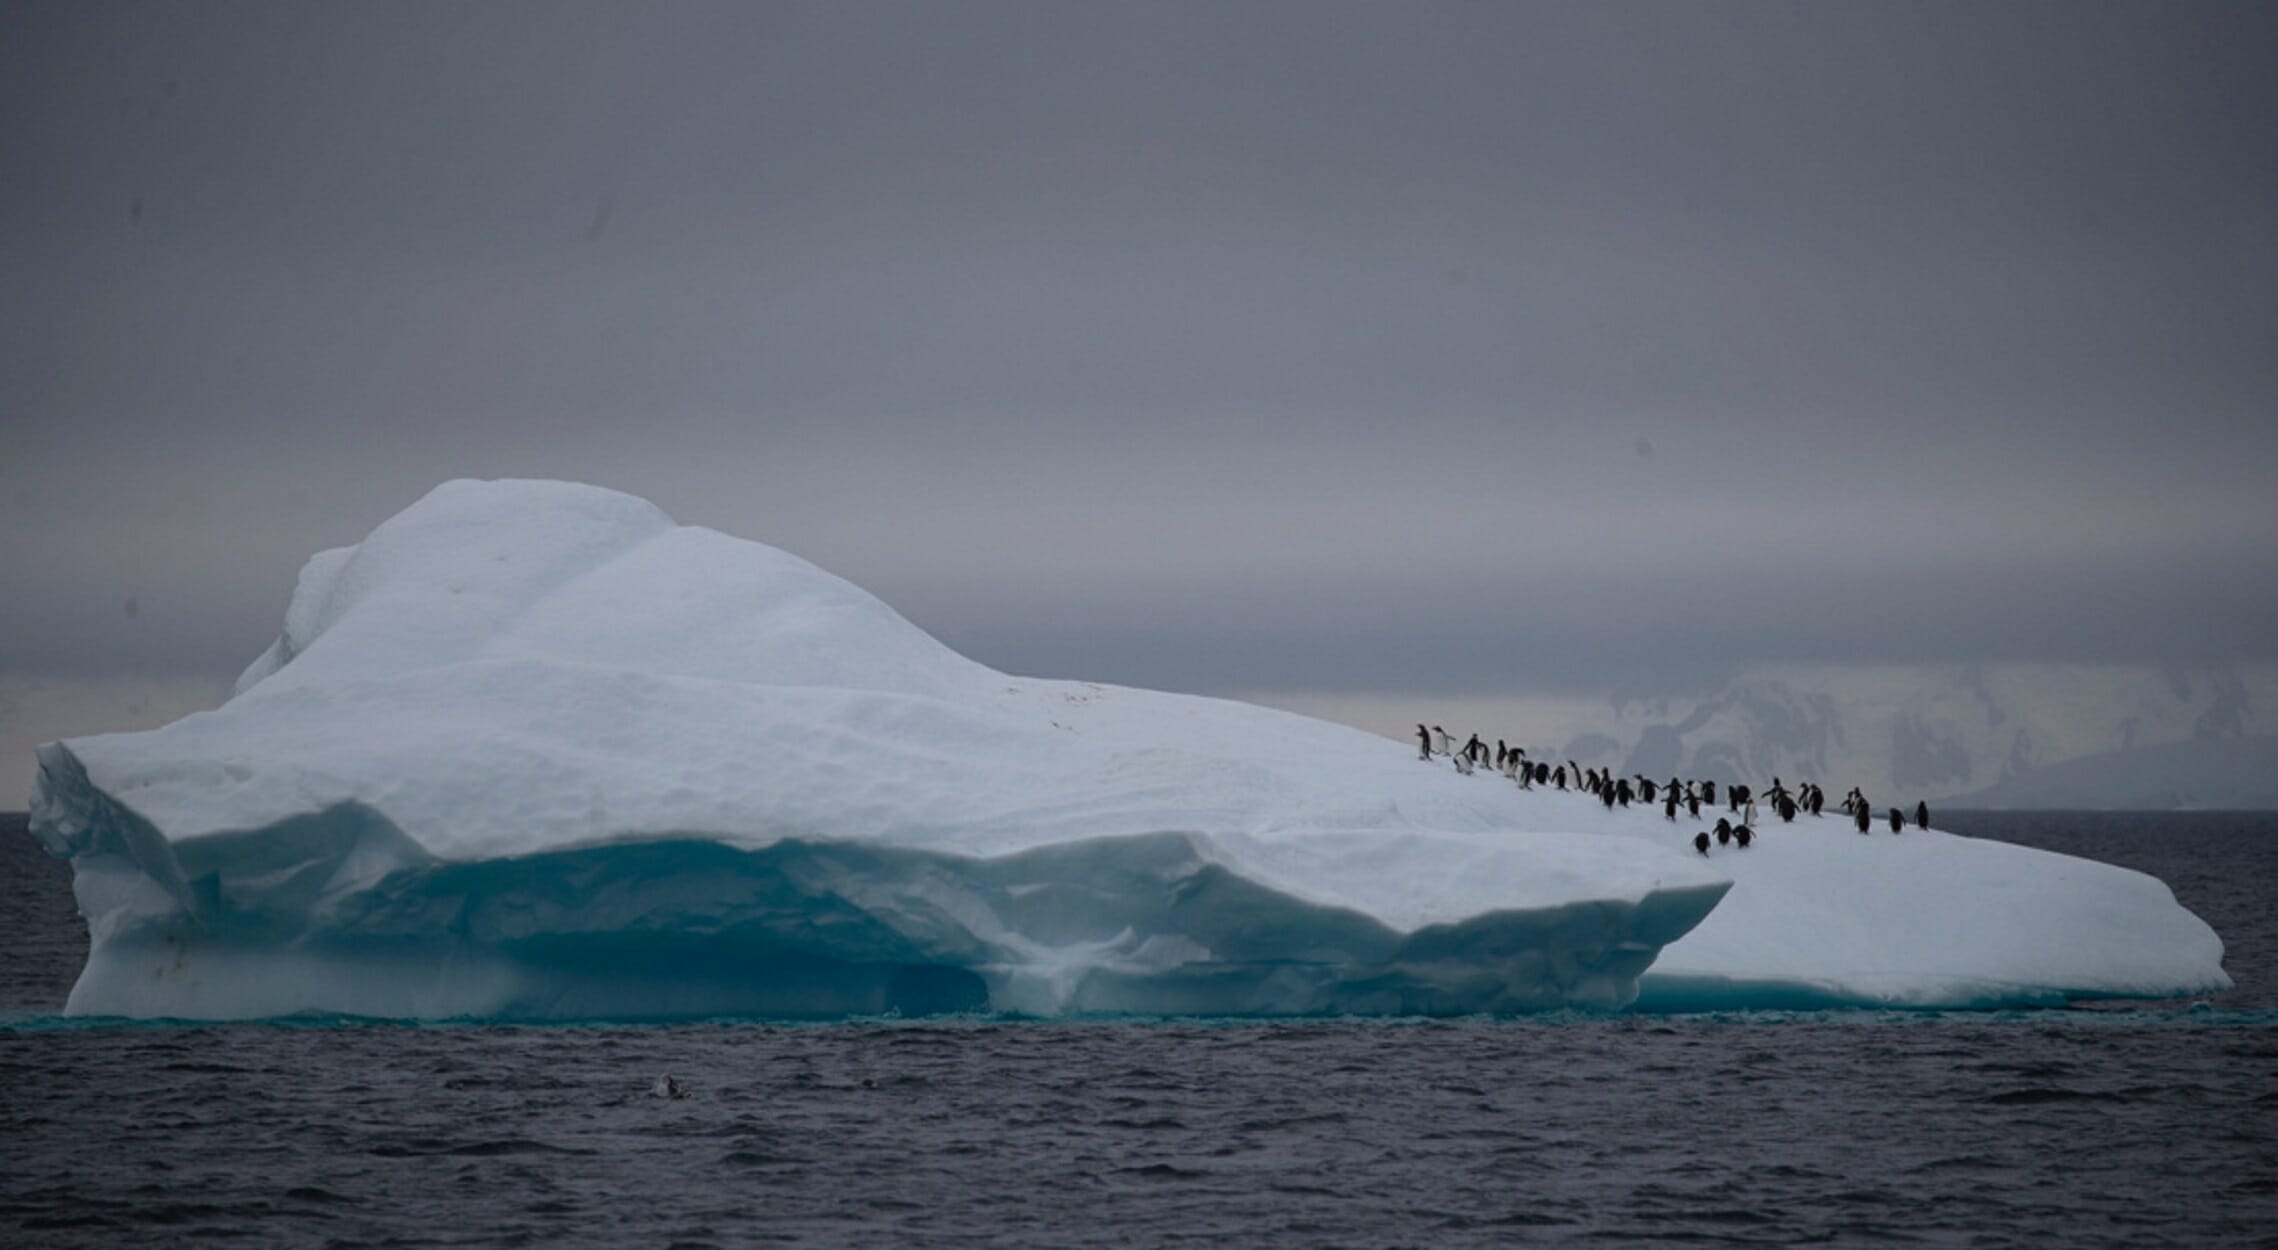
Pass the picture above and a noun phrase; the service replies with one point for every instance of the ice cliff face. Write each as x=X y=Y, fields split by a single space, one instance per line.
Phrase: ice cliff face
x=533 y=750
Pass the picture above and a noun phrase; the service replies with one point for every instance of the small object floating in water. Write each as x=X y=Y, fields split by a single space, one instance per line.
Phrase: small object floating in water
x=667 y=1087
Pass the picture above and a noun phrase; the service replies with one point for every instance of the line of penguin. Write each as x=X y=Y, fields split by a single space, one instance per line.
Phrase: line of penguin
x=1806 y=799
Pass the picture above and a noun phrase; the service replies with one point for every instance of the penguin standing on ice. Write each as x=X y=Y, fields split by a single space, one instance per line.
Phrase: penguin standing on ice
x=1723 y=834
x=1441 y=735
x=1861 y=816
x=1743 y=835
x=1424 y=736
x=1708 y=793
x=1693 y=805
x=1669 y=807
x=1897 y=821
x=1922 y=815
x=1558 y=776
x=1700 y=842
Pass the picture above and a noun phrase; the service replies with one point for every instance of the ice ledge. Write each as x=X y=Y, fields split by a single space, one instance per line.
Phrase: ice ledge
x=337 y=912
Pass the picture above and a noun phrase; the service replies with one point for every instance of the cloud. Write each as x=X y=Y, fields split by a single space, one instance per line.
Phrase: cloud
x=1278 y=348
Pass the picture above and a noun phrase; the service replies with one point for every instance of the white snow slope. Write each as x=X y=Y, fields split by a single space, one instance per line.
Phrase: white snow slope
x=533 y=750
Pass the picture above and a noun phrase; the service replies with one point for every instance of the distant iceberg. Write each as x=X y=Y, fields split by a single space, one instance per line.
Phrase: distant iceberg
x=531 y=750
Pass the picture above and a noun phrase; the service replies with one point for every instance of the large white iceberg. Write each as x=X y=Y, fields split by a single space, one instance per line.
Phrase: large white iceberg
x=533 y=750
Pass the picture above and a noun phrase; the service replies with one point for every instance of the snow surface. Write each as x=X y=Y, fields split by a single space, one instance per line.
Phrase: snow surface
x=533 y=750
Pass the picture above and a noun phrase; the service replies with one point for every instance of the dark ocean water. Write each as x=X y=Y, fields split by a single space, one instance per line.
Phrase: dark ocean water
x=2139 y=1125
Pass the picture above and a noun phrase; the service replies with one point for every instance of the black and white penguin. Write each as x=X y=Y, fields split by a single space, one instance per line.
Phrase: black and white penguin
x=1669 y=808
x=1743 y=835
x=1897 y=821
x=1708 y=793
x=1861 y=816
x=1424 y=736
x=1441 y=735
x=1723 y=834
x=1922 y=815
x=1787 y=809
x=1558 y=776
x=1700 y=842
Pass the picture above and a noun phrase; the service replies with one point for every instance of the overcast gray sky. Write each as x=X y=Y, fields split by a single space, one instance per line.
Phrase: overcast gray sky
x=1302 y=348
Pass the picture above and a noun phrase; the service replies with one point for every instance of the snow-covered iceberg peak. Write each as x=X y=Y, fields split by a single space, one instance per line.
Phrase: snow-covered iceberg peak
x=533 y=750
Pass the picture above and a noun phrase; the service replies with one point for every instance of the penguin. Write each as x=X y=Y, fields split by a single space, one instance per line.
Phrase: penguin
x=1669 y=808
x=1424 y=736
x=1723 y=826
x=1645 y=788
x=1737 y=794
x=1502 y=753
x=1623 y=792
x=1818 y=800
x=1897 y=821
x=1861 y=816
x=1542 y=774
x=1743 y=835
x=1708 y=793
x=1723 y=834
x=1475 y=750
x=1441 y=735
x=1922 y=815
x=1693 y=805
x=1606 y=795
x=1700 y=842
x=1787 y=810
x=1558 y=776
x=667 y=1087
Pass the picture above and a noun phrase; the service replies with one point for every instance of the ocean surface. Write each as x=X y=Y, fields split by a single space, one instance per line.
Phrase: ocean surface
x=2107 y=1125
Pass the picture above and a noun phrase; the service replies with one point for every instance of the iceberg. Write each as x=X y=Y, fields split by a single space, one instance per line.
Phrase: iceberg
x=532 y=750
